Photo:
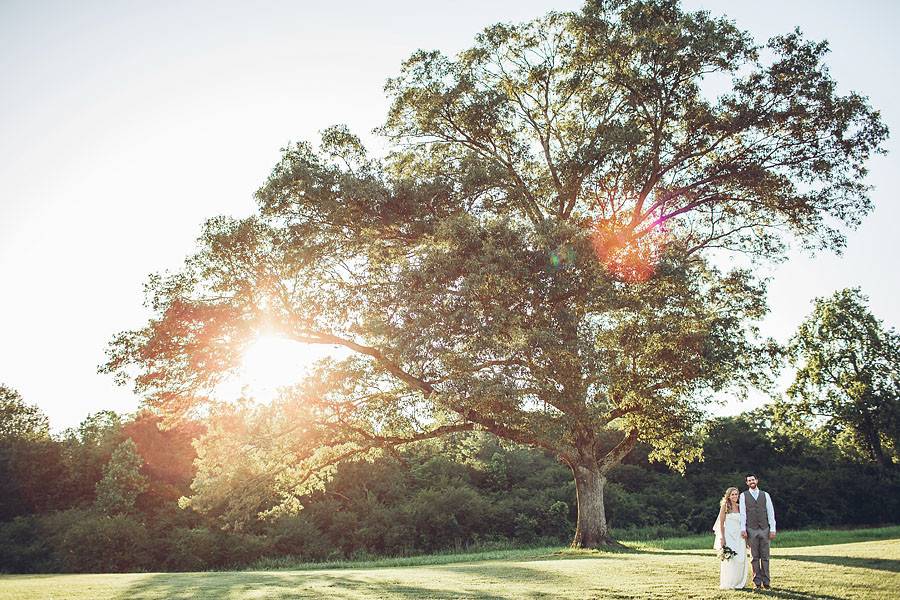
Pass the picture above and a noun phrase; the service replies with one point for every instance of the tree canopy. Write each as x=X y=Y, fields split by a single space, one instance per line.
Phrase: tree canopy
x=848 y=375
x=531 y=259
x=19 y=419
x=122 y=480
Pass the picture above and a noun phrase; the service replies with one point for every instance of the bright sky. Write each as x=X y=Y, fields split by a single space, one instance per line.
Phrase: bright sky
x=125 y=125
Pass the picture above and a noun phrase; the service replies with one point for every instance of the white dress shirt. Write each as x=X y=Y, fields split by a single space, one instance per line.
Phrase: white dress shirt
x=770 y=509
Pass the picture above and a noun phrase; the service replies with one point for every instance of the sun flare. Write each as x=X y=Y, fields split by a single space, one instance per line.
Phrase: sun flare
x=273 y=362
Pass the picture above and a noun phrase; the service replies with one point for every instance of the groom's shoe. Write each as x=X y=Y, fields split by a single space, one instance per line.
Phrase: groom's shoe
x=767 y=586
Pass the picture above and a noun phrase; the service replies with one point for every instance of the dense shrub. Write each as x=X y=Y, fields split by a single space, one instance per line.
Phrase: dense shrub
x=297 y=536
x=24 y=548
x=87 y=542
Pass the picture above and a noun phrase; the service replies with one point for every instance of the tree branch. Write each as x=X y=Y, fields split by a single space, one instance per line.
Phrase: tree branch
x=615 y=456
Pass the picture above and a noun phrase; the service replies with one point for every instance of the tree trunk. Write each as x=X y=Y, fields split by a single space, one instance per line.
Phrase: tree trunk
x=591 y=530
x=873 y=440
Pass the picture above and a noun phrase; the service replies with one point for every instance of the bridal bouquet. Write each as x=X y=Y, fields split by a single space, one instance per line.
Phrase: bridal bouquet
x=726 y=553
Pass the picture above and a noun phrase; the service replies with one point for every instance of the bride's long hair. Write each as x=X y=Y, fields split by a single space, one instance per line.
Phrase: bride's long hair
x=726 y=500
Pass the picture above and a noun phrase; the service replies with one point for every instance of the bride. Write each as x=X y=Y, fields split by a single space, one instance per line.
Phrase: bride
x=733 y=572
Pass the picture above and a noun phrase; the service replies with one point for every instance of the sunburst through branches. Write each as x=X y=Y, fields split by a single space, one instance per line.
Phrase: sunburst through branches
x=627 y=254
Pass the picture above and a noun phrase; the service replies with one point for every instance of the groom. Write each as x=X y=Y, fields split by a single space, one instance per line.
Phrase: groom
x=758 y=528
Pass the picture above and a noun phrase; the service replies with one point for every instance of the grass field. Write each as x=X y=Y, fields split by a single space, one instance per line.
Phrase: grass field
x=806 y=565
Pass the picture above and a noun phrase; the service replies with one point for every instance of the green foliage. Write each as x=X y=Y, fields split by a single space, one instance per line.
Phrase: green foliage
x=28 y=458
x=93 y=543
x=74 y=541
x=122 y=481
x=848 y=376
x=446 y=495
x=20 y=420
x=299 y=538
x=201 y=548
x=168 y=457
x=85 y=451
x=25 y=547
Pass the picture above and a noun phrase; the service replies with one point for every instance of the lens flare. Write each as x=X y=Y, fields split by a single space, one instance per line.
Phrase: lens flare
x=626 y=256
x=562 y=257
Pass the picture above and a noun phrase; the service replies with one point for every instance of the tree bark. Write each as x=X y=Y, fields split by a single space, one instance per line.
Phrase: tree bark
x=592 y=530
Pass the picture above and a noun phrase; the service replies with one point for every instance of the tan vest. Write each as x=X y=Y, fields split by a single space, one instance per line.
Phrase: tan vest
x=757 y=517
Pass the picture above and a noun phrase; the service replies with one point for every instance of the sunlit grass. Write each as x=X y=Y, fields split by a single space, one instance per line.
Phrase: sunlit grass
x=837 y=564
x=288 y=563
x=784 y=539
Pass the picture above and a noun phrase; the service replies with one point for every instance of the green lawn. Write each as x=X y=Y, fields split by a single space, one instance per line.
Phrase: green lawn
x=832 y=565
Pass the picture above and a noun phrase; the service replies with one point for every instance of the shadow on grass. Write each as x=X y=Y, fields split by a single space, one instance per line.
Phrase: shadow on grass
x=879 y=564
x=709 y=554
x=494 y=572
x=788 y=594
x=577 y=554
x=261 y=585
x=336 y=584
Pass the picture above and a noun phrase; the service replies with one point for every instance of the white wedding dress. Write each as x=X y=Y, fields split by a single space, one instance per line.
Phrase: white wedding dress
x=733 y=572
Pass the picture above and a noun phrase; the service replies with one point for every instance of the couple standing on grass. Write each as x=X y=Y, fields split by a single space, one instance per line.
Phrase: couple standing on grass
x=746 y=519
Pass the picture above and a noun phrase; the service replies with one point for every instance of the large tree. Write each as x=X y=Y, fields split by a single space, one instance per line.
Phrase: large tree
x=848 y=375
x=531 y=259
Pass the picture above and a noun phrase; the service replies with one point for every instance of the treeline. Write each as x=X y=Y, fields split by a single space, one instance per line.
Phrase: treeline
x=104 y=496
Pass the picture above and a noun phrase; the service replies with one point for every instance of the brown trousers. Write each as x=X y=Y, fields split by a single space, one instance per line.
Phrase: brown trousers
x=758 y=540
